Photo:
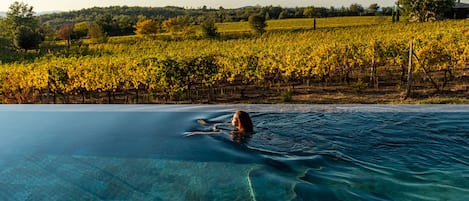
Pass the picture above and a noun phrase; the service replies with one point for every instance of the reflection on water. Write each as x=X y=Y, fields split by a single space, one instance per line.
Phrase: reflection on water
x=296 y=153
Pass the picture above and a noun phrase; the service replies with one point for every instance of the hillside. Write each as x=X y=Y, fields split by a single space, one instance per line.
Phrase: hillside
x=92 y=14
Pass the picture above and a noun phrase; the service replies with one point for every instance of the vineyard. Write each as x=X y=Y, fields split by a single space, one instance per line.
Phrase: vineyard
x=307 y=23
x=143 y=70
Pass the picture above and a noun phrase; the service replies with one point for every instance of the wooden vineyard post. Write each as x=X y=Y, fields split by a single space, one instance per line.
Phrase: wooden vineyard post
x=373 y=80
x=48 y=87
x=314 y=23
x=409 y=72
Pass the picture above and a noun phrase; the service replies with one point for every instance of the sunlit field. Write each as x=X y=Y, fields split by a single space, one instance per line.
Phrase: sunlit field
x=306 y=23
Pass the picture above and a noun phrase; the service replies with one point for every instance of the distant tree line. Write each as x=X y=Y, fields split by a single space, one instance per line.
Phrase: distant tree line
x=121 y=20
x=220 y=14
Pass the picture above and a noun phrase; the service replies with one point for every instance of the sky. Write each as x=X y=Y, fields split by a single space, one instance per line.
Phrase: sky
x=69 y=5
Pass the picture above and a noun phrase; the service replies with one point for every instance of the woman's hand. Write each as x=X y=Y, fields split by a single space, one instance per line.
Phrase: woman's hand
x=187 y=134
x=202 y=122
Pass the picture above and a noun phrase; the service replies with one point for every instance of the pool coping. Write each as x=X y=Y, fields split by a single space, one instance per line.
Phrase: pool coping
x=234 y=107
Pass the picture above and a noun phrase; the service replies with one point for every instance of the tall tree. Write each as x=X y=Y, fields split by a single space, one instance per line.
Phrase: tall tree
x=209 y=30
x=257 y=23
x=108 y=24
x=171 y=25
x=387 y=10
x=284 y=14
x=372 y=9
x=5 y=45
x=80 y=29
x=96 y=33
x=26 y=38
x=356 y=9
x=22 y=26
x=20 y=14
x=425 y=10
x=3 y=27
x=125 y=24
x=146 y=27
x=309 y=12
x=182 y=24
x=274 y=11
x=65 y=32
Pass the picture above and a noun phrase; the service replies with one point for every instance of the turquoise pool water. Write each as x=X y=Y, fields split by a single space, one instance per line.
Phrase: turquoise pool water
x=299 y=152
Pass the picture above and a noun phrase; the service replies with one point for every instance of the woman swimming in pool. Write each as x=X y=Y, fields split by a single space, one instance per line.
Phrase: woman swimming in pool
x=241 y=121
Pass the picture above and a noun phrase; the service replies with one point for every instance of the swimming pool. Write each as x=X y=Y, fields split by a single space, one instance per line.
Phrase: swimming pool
x=299 y=152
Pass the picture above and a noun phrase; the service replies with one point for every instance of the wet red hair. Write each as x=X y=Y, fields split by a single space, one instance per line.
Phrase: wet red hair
x=244 y=121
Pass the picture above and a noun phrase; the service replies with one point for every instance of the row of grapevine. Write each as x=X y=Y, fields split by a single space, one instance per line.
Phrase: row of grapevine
x=180 y=69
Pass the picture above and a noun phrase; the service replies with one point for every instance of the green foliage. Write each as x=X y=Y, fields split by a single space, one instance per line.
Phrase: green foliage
x=125 y=24
x=209 y=30
x=287 y=96
x=356 y=9
x=3 y=28
x=425 y=10
x=257 y=23
x=26 y=38
x=180 y=24
x=20 y=14
x=48 y=32
x=204 y=68
x=6 y=48
x=372 y=9
x=115 y=25
x=95 y=32
x=283 y=15
x=444 y=101
x=81 y=29
x=119 y=14
x=309 y=12
x=107 y=24
x=146 y=27
x=21 y=27
x=118 y=21
x=359 y=85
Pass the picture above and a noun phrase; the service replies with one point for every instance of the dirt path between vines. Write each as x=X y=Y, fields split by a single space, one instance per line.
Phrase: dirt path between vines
x=347 y=95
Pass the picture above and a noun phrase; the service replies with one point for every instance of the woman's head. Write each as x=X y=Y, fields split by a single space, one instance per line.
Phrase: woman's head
x=242 y=121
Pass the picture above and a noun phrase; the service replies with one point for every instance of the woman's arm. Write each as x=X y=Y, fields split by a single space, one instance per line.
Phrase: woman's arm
x=215 y=129
x=187 y=134
x=215 y=126
x=204 y=122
